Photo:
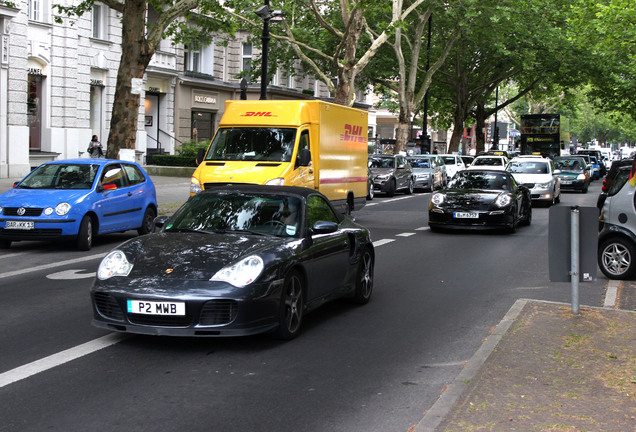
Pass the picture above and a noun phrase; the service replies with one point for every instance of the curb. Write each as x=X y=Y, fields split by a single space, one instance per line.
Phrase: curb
x=442 y=406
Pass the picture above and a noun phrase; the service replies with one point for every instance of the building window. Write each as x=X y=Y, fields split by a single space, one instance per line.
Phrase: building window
x=247 y=57
x=34 y=111
x=96 y=109
x=192 y=59
x=38 y=10
x=100 y=21
x=290 y=80
x=202 y=126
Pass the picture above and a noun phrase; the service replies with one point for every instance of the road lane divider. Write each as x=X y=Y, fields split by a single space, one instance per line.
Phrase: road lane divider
x=382 y=242
x=51 y=265
x=60 y=358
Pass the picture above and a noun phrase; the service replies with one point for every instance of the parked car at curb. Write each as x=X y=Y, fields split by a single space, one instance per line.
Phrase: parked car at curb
x=78 y=199
x=429 y=171
x=617 y=236
x=481 y=199
x=391 y=173
x=235 y=261
x=540 y=176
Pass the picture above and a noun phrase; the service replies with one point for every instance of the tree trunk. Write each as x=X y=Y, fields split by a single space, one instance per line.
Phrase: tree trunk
x=135 y=56
x=403 y=129
x=480 y=125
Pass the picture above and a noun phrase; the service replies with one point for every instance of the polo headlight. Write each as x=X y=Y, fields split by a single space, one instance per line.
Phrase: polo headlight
x=437 y=199
x=503 y=200
x=241 y=273
x=48 y=211
x=114 y=264
x=62 y=208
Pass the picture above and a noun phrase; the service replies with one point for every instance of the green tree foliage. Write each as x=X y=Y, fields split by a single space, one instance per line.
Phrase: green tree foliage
x=145 y=23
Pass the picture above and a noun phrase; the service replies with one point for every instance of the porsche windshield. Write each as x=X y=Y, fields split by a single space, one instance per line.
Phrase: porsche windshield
x=61 y=176
x=479 y=180
x=270 y=214
x=253 y=144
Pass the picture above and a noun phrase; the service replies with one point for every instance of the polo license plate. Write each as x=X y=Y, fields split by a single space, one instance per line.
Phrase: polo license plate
x=21 y=225
x=156 y=308
x=466 y=215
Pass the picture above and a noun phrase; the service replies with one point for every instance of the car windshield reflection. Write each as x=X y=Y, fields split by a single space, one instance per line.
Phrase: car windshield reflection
x=210 y=213
x=61 y=176
x=479 y=180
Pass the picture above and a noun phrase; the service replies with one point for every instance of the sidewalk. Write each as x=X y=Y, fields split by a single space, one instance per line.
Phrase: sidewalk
x=546 y=369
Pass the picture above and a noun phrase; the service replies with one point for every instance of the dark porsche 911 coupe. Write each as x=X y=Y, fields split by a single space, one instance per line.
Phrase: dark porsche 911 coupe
x=481 y=199
x=232 y=261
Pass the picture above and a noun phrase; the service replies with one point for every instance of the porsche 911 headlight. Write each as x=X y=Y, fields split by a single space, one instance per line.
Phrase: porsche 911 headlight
x=437 y=198
x=62 y=208
x=503 y=200
x=241 y=273
x=114 y=264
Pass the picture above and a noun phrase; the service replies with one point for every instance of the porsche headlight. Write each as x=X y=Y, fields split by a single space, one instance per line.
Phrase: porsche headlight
x=276 y=182
x=62 y=208
x=437 y=199
x=503 y=200
x=241 y=273
x=195 y=186
x=114 y=264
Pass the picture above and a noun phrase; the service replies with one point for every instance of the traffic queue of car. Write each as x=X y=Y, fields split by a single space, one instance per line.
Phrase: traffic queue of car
x=247 y=259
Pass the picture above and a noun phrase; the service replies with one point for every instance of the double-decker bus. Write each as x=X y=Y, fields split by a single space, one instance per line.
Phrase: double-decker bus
x=545 y=134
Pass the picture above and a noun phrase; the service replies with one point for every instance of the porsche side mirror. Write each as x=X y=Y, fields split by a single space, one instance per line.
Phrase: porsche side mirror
x=324 y=227
x=160 y=221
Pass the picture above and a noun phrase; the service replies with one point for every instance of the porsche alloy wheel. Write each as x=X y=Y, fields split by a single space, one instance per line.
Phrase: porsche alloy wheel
x=291 y=309
x=616 y=258
x=364 y=278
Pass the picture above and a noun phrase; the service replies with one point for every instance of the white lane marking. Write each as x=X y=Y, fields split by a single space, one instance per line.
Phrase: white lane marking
x=13 y=254
x=424 y=228
x=611 y=294
x=70 y=274
x=60 y=358
x=409 y=234
x=382 y=242
x=52 y=265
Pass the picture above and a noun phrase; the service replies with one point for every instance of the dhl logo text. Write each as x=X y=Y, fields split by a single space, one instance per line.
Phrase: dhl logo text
x=353 y=133
x=258 y=114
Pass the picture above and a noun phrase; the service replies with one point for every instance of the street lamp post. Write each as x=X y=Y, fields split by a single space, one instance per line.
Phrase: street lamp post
x=425 y=137
x=495 y=132
x=266 y=14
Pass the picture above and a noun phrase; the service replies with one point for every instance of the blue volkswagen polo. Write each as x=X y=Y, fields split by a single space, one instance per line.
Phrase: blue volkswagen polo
x=77 y=199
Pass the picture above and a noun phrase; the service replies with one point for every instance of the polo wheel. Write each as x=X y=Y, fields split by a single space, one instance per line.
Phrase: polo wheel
x=85 y=234
x=616 y=258
x=148 y=223
x=364 y=278
x=291 y=307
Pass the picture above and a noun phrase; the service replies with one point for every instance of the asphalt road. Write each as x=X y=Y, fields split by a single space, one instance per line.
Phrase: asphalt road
x=377 y=367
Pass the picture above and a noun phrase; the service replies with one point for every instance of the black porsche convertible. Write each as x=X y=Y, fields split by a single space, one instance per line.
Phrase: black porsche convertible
x=480 y=199
x=236 y=260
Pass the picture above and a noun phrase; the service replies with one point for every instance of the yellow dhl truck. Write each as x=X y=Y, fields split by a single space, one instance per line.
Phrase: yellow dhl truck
x=311 y=143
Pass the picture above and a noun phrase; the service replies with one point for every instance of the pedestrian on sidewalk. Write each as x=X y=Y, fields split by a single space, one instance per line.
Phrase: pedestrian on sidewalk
x=95 y=148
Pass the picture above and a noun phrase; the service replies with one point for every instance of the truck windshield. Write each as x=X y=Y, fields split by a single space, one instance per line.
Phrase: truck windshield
x=253 y=144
